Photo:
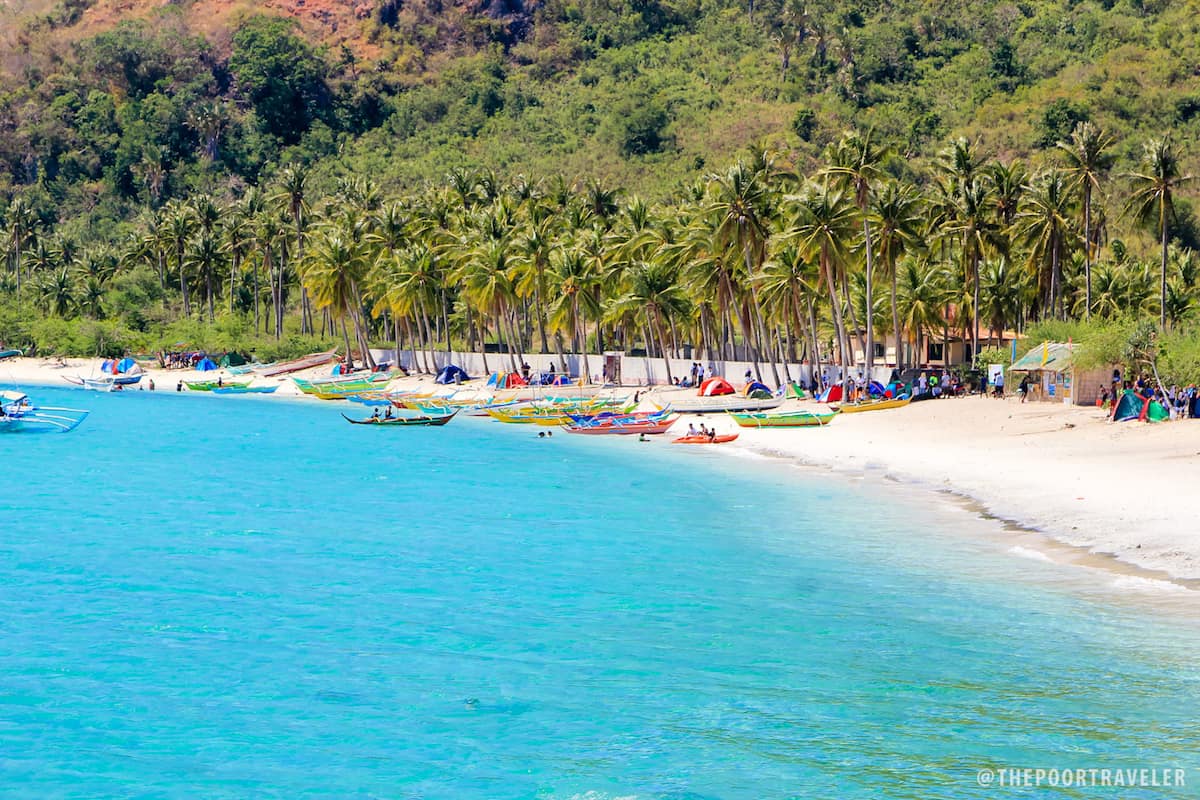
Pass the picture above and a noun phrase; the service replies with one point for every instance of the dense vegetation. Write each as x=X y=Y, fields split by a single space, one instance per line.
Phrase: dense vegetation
x=157 y=186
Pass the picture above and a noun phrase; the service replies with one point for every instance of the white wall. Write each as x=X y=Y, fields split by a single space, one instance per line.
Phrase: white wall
x=635 y=370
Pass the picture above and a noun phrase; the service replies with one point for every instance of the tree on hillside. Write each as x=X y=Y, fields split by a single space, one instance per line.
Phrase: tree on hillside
x=1154 y=196
x=1088 y=160
x=281 y=75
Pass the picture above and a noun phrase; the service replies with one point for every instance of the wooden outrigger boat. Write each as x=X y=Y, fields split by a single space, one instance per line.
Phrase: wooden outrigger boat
x=212 y=386
x=402 y=421
x=617 y=427
x=243 y=389
x=720 y=405
x=343 y=387
x=18 y=414
x=874 y=405
x=295 y=365
x=782 y=419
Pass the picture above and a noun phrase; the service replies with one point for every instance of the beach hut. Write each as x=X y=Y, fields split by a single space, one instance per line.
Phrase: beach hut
x=714 y=387
x=1054 y=376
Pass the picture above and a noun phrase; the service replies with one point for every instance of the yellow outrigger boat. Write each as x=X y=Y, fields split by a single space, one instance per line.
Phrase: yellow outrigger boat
x=874 y=405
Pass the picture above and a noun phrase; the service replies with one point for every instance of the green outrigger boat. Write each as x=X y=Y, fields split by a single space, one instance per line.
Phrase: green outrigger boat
x=782 y=419
x=208 y=386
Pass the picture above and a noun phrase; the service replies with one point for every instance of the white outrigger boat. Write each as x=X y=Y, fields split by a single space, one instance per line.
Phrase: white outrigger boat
x=17 y=413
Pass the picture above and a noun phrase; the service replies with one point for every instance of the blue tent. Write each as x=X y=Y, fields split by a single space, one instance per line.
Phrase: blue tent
x=757 y=390
x=451 y=374
x=126 y=364
x=206 y=365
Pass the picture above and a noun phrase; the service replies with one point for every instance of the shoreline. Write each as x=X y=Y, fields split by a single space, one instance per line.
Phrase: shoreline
x=1116 y=495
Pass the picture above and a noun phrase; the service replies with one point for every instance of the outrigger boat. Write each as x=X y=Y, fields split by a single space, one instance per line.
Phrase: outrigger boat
x=18 y=414
x=295 y=365
x=105 y=383
x=618 y=427
x=402 y=421
x=243 y=389
x=720 y=405
x=212 y=386
x=782 y=419
x=343 y=387
x=873 y=405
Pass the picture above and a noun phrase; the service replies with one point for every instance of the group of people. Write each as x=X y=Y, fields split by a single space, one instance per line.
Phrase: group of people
x=1179 y=401
x=181 y=360
x=375 y=415
x=695 y=375
x=704 y=430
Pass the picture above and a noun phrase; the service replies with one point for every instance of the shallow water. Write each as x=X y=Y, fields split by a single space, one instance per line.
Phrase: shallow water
x=232 y=597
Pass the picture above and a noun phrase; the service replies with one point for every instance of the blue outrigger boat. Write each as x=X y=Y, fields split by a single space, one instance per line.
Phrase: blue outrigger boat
x=18 y=414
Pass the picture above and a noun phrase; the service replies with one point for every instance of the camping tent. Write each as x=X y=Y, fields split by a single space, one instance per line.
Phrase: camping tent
x=128 y=365
x=832 y=394
x=561 y=379
x=205 y=365
x=1133 y=406
x=451 y=374
x=505 y=380
x=715 y=386
x=757 y=390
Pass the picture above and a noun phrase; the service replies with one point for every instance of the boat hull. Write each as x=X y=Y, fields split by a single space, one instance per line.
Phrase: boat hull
x=785 y=419
x=878 y=405
x=401 y=422
x=721 y=405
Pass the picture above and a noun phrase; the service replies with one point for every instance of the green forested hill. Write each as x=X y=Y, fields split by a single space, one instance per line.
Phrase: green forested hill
x=644 y=94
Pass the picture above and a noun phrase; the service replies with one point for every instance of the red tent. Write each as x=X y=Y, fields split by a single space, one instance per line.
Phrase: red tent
x=715 y=386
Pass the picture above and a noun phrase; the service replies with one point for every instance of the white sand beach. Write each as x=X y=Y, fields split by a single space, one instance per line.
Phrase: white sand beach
x=1123 y=490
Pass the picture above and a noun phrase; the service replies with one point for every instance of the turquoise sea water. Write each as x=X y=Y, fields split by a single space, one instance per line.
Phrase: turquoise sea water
x=232 y=597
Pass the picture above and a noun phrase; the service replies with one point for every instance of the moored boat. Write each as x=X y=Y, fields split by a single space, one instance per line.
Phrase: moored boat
x=873 y=405
x=610 y=427
x=720 y=405
x=782 y=419
x=295 y=365
x=212 y=386
x=242 y=389
x=18 y=414
x=402 y=421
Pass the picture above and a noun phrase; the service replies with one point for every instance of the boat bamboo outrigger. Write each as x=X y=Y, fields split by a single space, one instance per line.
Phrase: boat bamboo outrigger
x=18 y=414
x=782 y=419
x=402 y=421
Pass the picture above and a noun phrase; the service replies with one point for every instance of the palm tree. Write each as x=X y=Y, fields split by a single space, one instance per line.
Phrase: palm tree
x=855 y=165
x=333 y=272
x=204 y=256
x=21 y=221
x=56 y=294
x=180 y=222
x=824 y=227
x=1087 y=163
x=741 y=206
x=1154 y=190
x=896 y=210
x=293 y=185
x=922 y=290
x=1044 y=223
x=654 y=290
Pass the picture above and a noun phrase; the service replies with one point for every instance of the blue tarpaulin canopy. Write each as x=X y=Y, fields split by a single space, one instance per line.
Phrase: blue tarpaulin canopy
x=205 y=365
x=126 y=364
